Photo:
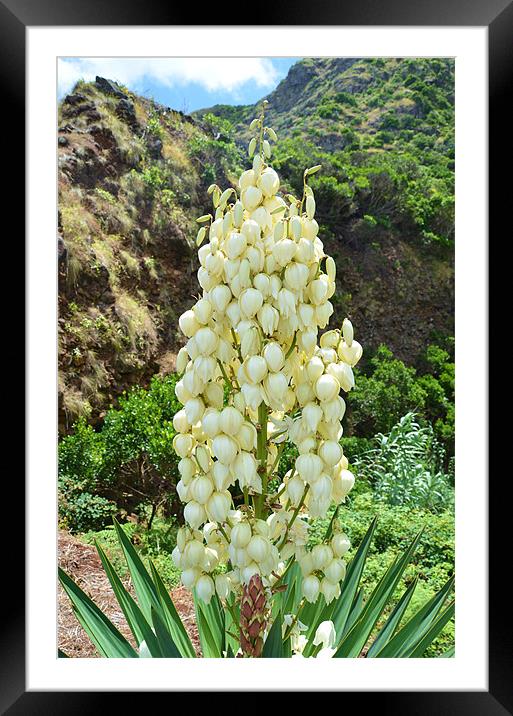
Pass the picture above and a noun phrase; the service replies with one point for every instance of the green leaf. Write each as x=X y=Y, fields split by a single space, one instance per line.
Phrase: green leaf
x=211 y=626
x=448 y=654
x=351 y=582
x=393 y=621
x=101 y=631
x=409 y=635
x=434 y=630
x=61 y=654
x=166 y=644
x=209 y=646
x=135 y=619
x=144 y=588
x=215 y=615
x=356 y=638
x=231 y=626
x=355 y=612
x=172 y=618
x=273 y=646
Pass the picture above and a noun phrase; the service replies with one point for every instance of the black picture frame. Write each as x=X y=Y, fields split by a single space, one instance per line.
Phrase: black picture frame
x=497 y=15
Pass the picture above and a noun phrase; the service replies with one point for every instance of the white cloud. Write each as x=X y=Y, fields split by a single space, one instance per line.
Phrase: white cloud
x=212 y=73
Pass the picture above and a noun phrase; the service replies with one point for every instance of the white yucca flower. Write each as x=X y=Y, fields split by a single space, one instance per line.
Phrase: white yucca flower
x=256 y=374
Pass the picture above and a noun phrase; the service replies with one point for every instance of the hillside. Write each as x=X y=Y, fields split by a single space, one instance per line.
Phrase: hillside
x=133 y=176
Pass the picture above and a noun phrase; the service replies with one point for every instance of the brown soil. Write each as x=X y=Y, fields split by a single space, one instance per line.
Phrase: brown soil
x=82 y=563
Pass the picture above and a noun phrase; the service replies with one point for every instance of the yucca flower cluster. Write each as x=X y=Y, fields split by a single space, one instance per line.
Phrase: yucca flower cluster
x=255 y=374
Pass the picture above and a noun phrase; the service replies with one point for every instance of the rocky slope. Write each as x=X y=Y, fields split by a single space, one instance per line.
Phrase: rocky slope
x=133 y=176
x=132 y=180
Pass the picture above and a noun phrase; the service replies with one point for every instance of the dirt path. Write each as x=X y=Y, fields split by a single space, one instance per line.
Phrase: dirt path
x=82 y=563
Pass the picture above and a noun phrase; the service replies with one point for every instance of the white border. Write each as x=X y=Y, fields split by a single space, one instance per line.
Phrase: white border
x=468 y=670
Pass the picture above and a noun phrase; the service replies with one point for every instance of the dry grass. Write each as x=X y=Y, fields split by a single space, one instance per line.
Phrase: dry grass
x=136 y=319
x=82 y=563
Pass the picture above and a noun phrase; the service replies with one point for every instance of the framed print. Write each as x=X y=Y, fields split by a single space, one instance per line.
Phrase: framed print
x=216 y=468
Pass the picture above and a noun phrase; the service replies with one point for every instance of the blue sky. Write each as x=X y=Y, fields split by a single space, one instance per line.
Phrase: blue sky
x=186 y=83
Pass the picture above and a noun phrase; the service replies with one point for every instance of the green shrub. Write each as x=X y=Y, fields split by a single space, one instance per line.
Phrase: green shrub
x=388 y=389
x=405 y=467
x=126 y=466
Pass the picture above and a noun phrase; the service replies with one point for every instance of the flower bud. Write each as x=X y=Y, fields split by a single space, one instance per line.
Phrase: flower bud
x=205 y=588
x=340 y=544
x=329 y=591
x=310 y=207
x=188 y=323
x=309 y=466
x=210 y=422
x=218 y=506
x=224 y=448
x=330 y=452
x=250 y=302
x=221 y=476
x=182 y=360
x=295 y=489
x=268 y=182
x=326 y=387
x=231 y=421
x=201 y=489
x=268 y=317
x=325 y=635
x=251 y=197
x=335 y=571
x=238 y=214
x=194 y=409
x=258 y=548
x=203 y=310
x=220 y=297
x=222 y=584
x=256 y=369
x=311 y=588
x=187 y=468
x=180 y=422
x=214 y=395
x=203 y=458
x=189 y=577
x=194 y=514
x=343 y=373
x=350 y=354
x=241 y=535
x=247 y=437
x=347 y=331
x=247 y=178
x=321 y=556
x=182 y=445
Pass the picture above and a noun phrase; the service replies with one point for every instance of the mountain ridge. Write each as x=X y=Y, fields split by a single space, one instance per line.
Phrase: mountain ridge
x=133 y=176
